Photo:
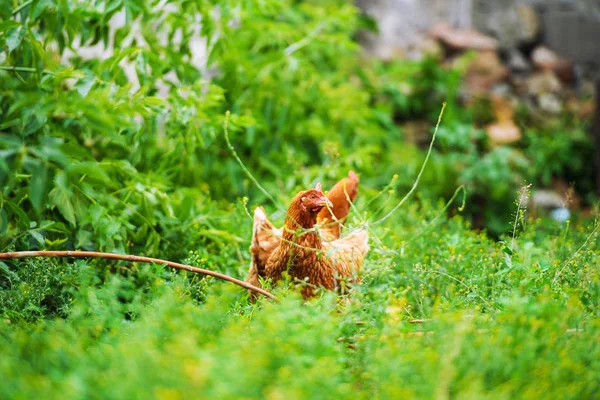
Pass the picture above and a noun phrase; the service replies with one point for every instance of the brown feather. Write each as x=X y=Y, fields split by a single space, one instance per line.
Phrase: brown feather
x=340 y=193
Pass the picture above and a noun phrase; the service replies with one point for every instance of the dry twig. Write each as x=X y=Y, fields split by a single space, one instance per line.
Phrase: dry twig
x=126 y=257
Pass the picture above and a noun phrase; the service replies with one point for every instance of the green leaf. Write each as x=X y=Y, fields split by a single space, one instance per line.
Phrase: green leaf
x=34 y=124
x=38 y=186
x=8 y=24
x=141 y=68
x=90 y=169
x=3 y=221
x=80 y=205
x=217 y=234
x=23 y=220
x=14 y=38
x=38 y=50
x=132 y=9
x=60 y=197
x=37 y=236
x=55 y=243
x=83 y=238
x=185 y=208
x=84 y=85
x=153 y=101
x=112 y=227
x=96 y=212
x=111 y=7
x=4 y=268
x=38 y=7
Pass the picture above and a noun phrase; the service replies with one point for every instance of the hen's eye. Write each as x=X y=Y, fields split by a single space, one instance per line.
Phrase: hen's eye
x=312 y=196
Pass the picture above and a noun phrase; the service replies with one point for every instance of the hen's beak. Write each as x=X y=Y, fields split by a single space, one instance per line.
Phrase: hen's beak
x=325 y=202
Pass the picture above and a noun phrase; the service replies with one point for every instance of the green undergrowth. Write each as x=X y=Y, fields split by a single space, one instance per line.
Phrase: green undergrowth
x=500 y=320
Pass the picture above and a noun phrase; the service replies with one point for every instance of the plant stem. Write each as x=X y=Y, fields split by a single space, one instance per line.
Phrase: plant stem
x=462 y=283
x=126 y=257
x=24 y=69
x=433 y=221
x=241 y=163
x=414 y=187
x=304 y=42
x=22 y=6
x=566 y=263
x=522 y=199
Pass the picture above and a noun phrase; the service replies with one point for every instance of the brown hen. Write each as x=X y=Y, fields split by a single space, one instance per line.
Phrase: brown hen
x=318 y=258
x=266 y=238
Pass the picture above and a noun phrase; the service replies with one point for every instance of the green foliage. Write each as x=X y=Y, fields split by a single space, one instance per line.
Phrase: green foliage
x=496 y=329
x=31 y=290
x=88 y=152
x=563 y=150
x=126 y=153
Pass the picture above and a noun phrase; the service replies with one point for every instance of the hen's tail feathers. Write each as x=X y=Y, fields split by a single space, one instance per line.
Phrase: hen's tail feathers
x=341 y=195
x=348 y=253
x=360 y=243
x=359 y=240
x=265 y=238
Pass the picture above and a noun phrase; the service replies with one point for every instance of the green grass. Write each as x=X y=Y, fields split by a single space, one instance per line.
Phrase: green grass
x=495 y=328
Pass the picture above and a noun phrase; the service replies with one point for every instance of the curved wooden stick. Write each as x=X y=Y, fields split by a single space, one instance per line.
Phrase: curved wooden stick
x=126 y=257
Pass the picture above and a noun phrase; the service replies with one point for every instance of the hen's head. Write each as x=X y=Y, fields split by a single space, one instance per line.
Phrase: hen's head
x=304 y=209
x=313 y=200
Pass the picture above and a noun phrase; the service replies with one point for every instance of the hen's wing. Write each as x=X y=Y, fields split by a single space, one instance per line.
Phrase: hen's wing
x=265 y=239
x=341 y=195
x=347 y=254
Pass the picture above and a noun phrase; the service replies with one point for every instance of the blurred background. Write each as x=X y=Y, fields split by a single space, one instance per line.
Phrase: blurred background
x=526 y=68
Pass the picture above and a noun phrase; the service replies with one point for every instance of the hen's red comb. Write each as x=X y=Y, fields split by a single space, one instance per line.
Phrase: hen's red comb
x=318 y=187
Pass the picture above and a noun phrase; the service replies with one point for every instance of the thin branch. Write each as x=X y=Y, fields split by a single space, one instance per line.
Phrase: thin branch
x=126 y=257
x=566 y=263
x=238 y=159
x=414 y=187
x=381 y=192
x=418 y=321
x=304 y=42
x=22 y=7
x=462 y=283
x=24 y=69
x=443 y=212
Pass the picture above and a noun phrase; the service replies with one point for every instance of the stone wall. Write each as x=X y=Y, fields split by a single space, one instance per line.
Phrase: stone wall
x=403 y=24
